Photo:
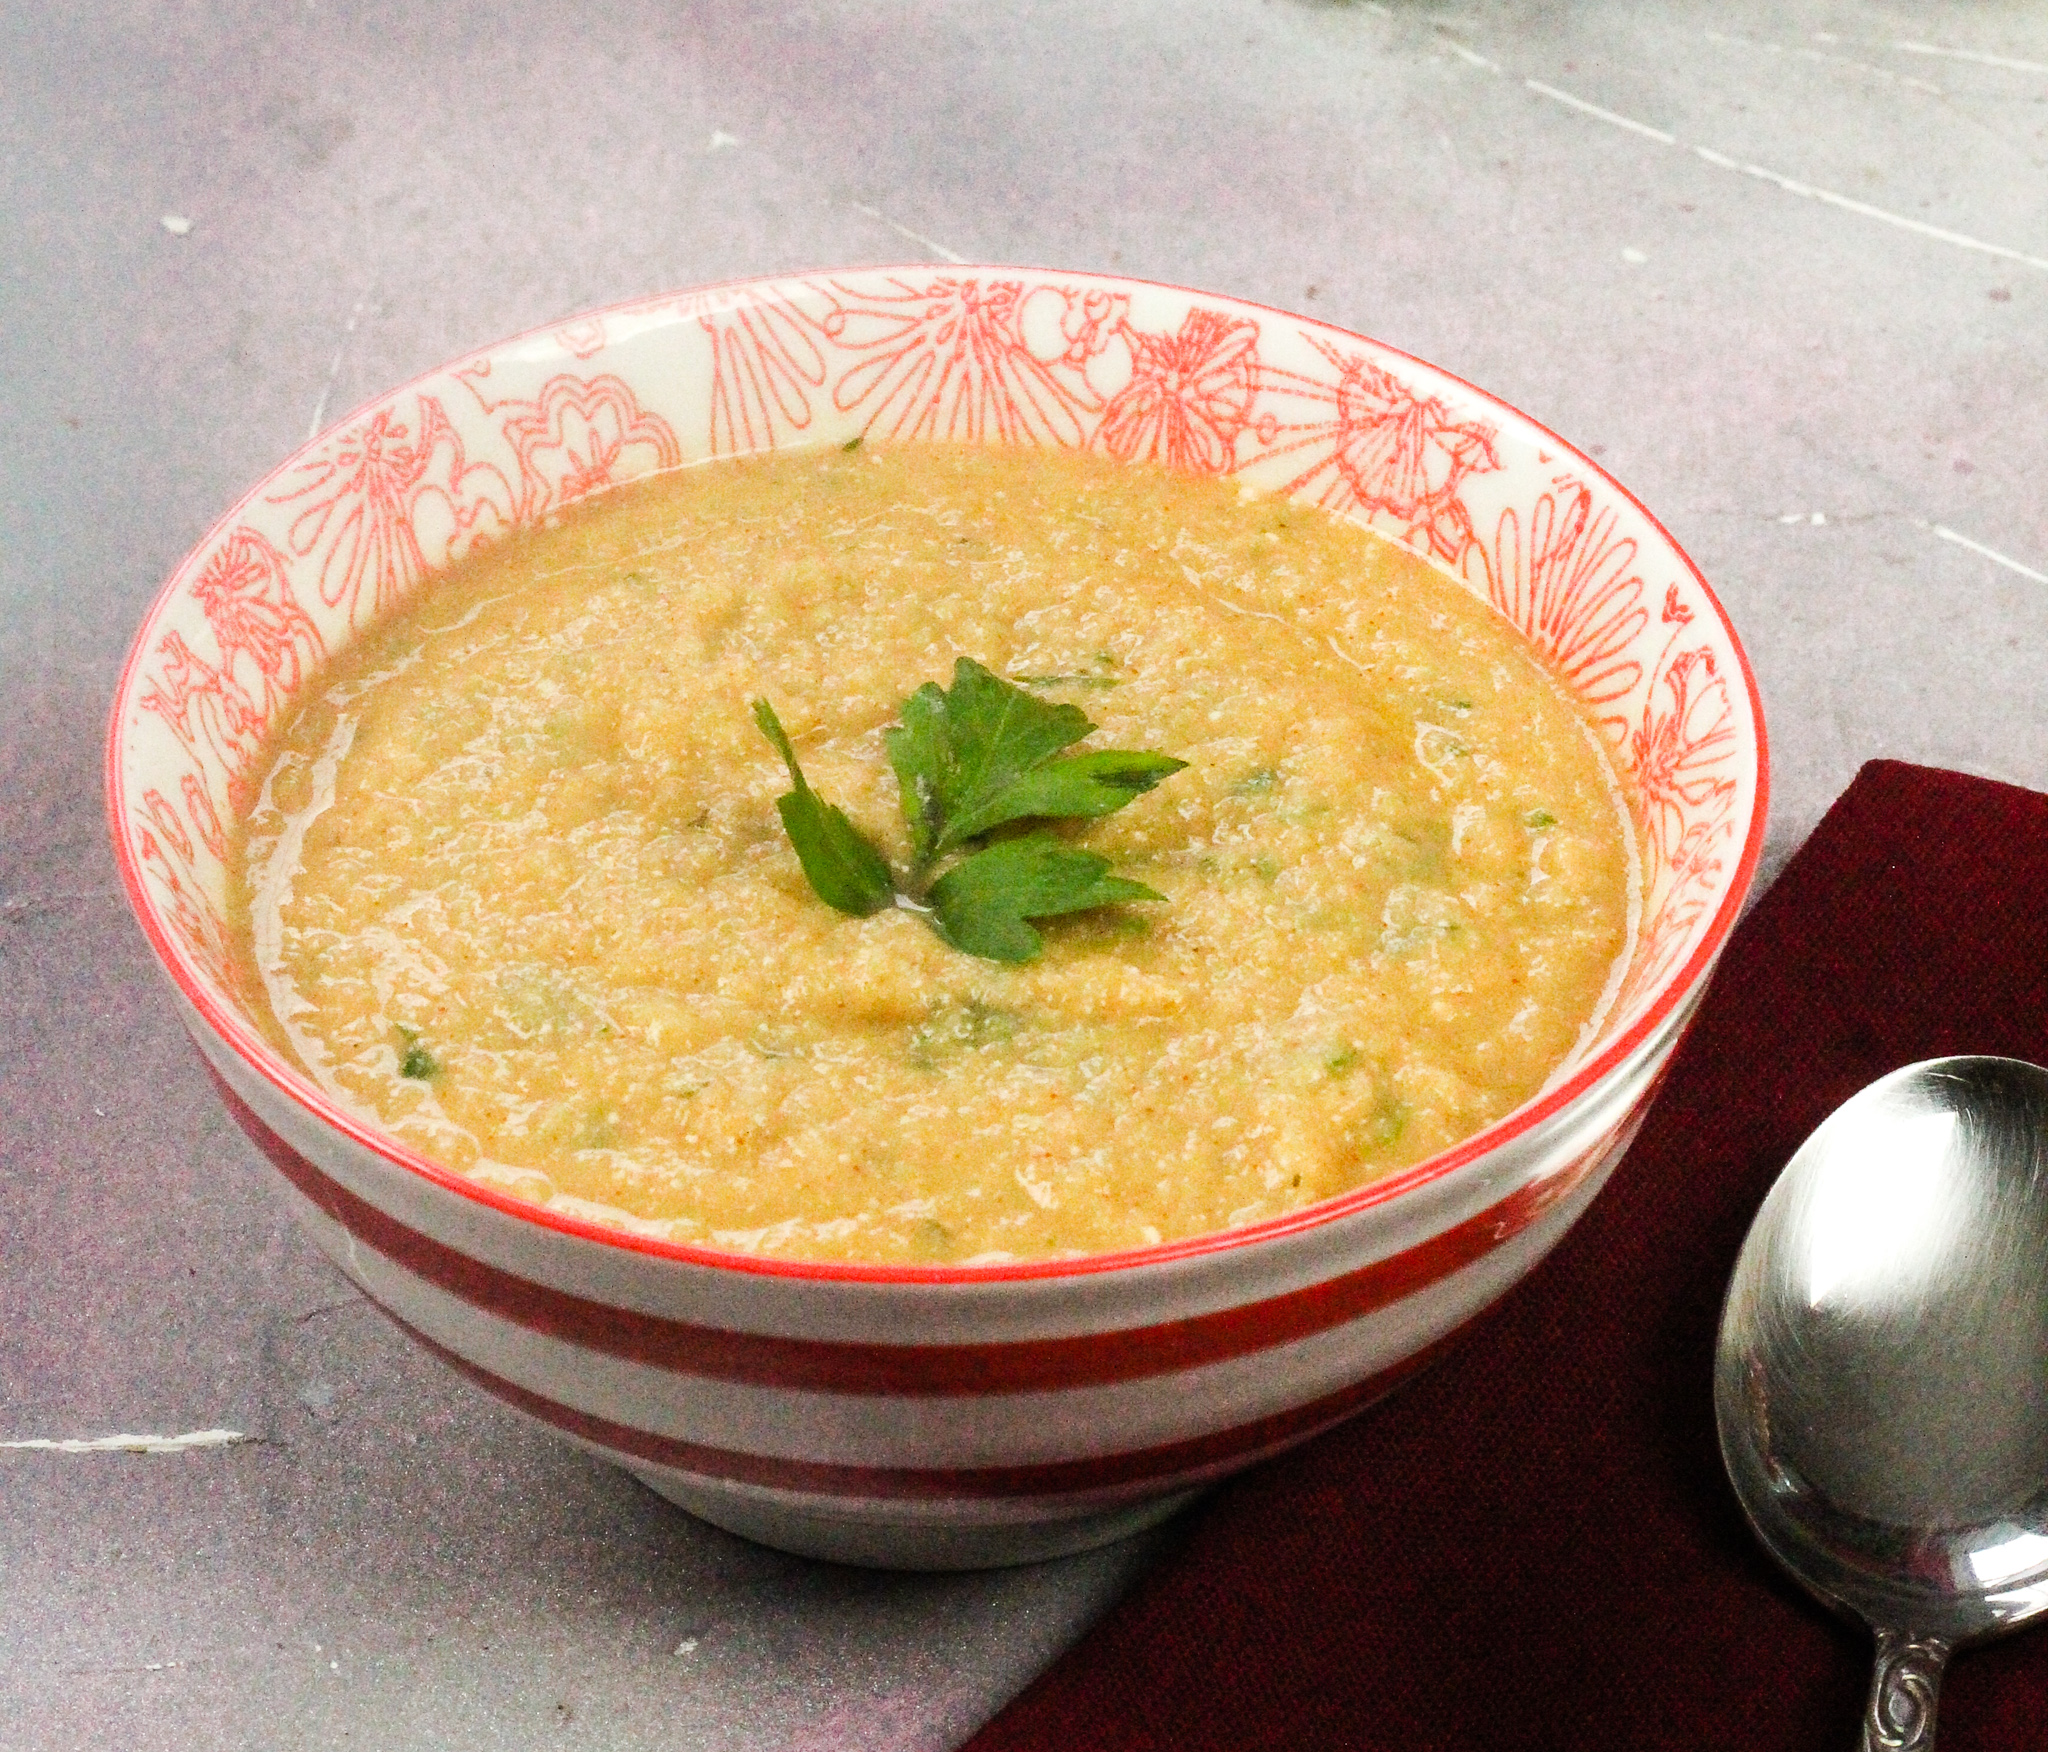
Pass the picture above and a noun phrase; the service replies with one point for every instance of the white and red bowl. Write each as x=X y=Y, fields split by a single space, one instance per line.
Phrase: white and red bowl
x=941 y=1416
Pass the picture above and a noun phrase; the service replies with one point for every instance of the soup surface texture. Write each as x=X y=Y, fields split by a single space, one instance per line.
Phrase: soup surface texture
x=516 y=886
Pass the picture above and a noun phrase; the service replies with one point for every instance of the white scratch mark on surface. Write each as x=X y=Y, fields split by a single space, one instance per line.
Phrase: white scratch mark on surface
x=139 y=1667
x=917 y=237
x=1793 y=186
x=134 y=1444
x=1813 y=517
x=720 y=140
x=1605 y=115
x=176 y=224
x=25 y=902
x=2006 y=61
x=1820 y=55
x=1470 y=55
x=334 y=368
x=1977 y=547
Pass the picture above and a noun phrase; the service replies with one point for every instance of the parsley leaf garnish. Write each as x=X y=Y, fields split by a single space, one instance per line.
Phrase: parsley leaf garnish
x=981 y=903
x=846 y=871
x=980 y=754
x=968 y=759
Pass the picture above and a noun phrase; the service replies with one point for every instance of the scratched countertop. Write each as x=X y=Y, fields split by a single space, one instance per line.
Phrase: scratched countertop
x=1782 y=267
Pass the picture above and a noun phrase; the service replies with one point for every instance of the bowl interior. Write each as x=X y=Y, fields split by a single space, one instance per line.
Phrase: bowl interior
x=352 y=524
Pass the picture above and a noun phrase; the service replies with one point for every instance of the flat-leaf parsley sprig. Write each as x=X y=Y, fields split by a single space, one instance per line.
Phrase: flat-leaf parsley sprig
x=968 y=759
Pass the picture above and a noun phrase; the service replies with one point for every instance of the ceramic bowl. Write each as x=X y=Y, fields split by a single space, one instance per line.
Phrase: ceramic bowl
x=939 y=1417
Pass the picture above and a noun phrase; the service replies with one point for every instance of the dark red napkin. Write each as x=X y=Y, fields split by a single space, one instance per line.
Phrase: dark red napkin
x=1533 y=1545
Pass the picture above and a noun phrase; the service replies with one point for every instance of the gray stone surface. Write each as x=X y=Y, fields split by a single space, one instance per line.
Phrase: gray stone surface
x=1827 y=406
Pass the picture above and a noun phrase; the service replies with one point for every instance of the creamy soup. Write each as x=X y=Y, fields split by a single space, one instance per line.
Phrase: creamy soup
x=516 y=886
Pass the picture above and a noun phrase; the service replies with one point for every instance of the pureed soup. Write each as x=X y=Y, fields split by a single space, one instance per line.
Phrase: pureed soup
x=516 y=886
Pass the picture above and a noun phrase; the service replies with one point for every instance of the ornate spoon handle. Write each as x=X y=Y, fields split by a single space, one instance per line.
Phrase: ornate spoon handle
x=1905 y=1688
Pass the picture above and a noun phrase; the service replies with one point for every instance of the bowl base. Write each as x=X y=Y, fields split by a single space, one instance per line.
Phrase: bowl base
x=869 y=1543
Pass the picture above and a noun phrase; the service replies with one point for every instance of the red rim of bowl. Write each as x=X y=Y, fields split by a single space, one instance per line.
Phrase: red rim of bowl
x=261 y=1057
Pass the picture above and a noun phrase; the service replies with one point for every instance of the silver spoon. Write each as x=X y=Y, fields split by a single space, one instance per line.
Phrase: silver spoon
x=1881 y=1376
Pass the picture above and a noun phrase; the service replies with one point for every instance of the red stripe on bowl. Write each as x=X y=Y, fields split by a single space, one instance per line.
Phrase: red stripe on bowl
x=1166 y=1467
x=912 y=1370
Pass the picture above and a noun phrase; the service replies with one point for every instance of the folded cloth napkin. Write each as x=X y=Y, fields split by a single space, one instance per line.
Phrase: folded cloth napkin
x=1533 y=1545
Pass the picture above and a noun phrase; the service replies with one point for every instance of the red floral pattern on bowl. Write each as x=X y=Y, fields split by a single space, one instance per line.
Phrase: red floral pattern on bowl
x=942 y=1415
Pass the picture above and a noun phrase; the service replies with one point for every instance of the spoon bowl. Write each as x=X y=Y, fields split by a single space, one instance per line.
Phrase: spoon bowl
x=1881 y=1373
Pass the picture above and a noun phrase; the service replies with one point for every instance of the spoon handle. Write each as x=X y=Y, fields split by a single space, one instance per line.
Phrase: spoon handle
x=1905 y=1688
